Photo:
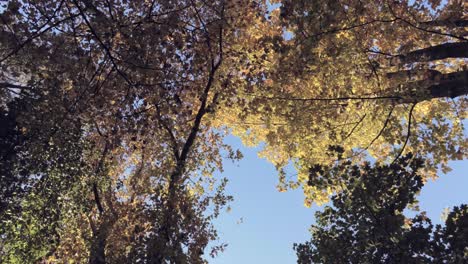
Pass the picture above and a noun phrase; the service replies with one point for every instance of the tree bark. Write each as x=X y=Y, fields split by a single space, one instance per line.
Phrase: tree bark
x=412 y=75
x=438 y=52
x=98 y=255
x=448 y=85
x=446 y=23
x=99 y=241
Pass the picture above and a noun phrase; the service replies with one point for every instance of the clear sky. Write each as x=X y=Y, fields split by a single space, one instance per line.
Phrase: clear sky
x=263 y=223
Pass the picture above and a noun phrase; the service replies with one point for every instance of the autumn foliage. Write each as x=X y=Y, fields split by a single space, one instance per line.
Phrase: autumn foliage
x=113 y=113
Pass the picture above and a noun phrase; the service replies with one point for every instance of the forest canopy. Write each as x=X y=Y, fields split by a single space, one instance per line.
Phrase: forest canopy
x=113 y=113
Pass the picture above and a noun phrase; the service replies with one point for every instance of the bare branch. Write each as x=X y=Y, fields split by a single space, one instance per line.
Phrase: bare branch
x=410 y=116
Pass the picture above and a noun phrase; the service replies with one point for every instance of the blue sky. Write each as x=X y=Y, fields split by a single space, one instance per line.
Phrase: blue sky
x=264 y=223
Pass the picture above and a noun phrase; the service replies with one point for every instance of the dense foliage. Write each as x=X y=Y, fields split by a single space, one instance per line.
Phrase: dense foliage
x=113 y=112
x=108 y=152
x=366 y=224
x=378 y=78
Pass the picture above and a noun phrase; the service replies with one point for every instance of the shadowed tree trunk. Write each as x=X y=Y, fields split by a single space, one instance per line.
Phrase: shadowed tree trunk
x=99 y=241
x=438 y=52
x=429 y=84
x=450 y=85
x=446 y=23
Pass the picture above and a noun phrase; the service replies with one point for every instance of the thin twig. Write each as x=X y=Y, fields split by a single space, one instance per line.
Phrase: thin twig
x=408 y=134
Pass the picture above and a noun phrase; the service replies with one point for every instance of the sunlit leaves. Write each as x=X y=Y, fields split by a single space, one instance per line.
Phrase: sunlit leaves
x=362 y=75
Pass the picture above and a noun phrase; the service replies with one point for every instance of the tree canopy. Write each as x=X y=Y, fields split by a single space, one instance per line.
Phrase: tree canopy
x=378 y=78
x=106 y=106
x=366 y=223
x=113 y=113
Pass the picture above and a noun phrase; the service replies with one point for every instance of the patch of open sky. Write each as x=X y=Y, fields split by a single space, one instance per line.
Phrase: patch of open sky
x=447 y=191
x=287 y=35
x=263 y=223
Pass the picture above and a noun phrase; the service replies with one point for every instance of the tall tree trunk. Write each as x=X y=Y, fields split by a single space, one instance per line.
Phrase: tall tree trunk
x=445 y=23
x=412 y=75
x=99 y=241
x=438 y=52
x=98 y=246
x=448 y=85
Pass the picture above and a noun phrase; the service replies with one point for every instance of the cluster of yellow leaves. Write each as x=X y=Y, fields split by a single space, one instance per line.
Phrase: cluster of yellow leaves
x=289 y=112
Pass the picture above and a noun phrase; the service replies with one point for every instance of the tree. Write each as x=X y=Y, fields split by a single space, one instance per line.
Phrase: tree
x=142 y=80
x=379 y=78
x=366 y=224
